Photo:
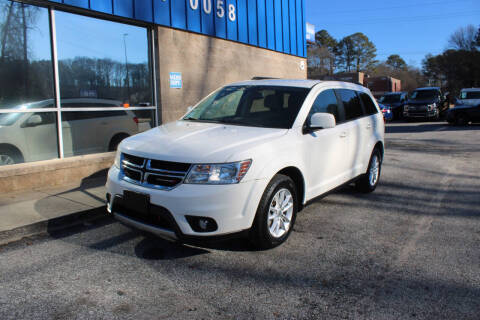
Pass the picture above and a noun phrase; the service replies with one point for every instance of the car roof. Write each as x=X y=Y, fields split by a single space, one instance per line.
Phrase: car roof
x=298 y=83
x=471 y=89
x=279 y=82
x=428 y=88
x=394 y=93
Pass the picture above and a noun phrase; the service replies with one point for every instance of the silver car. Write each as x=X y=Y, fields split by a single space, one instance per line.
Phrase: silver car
x=26 y=137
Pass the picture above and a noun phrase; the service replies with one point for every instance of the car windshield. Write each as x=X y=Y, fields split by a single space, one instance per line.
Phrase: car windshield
x=256 y=106
x=470 y=95
x=390 y=98
x=424 y=95
x=8 y=119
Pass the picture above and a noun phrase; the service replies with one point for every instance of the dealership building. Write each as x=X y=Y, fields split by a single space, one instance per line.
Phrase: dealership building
x=78 y=76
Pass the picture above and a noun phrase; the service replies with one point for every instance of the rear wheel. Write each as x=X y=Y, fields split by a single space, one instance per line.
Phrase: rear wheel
x=276 y=213
x=461 y=119
x=369 y=181
x=9 y=156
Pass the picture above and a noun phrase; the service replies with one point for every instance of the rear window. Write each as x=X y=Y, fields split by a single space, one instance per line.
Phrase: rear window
x=470 y=95
x=368 y=103
x=351 y=104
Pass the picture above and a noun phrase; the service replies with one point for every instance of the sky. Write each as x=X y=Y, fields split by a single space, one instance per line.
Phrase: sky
x=80 y=36
x=410 y=28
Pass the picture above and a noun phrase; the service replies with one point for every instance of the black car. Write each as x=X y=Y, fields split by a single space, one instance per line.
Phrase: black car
x=463 y=114
x=426 y=103
x=395 y=101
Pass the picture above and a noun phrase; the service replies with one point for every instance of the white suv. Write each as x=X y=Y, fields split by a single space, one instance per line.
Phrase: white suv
x=247 y=158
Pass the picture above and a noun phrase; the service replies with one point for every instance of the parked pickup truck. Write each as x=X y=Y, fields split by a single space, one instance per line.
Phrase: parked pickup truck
x=425 y=103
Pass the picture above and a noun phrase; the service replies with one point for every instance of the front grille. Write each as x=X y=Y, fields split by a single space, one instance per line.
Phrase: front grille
x=153 y=173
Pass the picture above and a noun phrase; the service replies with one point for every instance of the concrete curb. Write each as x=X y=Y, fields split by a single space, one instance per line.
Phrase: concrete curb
x=51 y=225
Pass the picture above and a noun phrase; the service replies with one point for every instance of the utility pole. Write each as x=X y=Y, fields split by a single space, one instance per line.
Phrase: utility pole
x=126 y=65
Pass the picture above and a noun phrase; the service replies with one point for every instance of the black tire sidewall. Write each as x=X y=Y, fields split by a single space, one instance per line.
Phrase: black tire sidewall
x=260 y=232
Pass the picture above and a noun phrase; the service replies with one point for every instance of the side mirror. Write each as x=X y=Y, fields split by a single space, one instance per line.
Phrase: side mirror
x=34 y=121
x=321 y=121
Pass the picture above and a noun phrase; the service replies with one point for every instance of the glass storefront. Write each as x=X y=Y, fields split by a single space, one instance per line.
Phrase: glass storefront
x=104 y=75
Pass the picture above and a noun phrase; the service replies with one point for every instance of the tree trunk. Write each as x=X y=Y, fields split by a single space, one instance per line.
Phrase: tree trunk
x=25 y=54
x=5 y=30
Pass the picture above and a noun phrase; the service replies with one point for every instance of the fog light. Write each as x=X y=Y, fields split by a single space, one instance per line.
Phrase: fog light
x=202 y=224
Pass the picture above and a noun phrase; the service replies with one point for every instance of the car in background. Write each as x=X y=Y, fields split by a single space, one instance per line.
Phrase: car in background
x=425 y=103
x=467 y=108
x=26 y=137
x=387 y=112
x=395 y=101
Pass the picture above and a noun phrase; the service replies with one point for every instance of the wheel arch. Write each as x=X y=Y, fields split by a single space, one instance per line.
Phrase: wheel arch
x=296 y=175
x=379 y=145
x=118 y=135
x=14 y=149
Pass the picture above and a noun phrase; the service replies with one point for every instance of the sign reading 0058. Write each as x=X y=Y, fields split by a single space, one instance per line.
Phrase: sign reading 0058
x=220 y=8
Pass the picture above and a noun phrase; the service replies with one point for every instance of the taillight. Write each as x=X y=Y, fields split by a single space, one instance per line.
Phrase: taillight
x=135 y=119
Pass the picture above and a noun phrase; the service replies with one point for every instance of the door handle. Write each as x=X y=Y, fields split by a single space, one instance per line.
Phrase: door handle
x=343 y=135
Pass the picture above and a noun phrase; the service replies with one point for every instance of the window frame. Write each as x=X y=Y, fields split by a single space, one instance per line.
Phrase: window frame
x=341 y=110
x=364 y=114
x=152 y=43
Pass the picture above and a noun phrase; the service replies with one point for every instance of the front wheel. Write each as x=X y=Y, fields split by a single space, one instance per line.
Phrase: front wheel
x=369 y=181
x=276 y=213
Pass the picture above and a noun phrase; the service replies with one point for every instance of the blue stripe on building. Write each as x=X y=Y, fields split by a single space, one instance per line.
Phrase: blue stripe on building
x=274 y=24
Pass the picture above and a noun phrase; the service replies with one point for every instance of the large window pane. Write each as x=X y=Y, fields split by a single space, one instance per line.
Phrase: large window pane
x=28 y=137
x=87 y=132
x=25 y=55
x=103 y=59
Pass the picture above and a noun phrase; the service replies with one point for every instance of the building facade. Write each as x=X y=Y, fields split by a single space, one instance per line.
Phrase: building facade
x=78 y=76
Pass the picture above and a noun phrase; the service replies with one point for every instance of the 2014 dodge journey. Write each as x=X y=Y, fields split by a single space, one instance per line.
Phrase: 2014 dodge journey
x=248 y=157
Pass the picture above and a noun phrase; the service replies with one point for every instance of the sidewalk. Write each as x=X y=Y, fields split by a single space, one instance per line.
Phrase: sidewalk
x=32 y=212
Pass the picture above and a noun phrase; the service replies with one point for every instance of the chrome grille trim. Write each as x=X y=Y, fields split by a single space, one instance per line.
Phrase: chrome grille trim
x=145 y=170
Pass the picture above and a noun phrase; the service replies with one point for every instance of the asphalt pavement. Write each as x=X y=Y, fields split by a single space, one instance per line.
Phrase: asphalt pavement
x=410 y=250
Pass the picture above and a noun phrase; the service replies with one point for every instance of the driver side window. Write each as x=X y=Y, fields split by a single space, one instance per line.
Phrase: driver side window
x=326 y=102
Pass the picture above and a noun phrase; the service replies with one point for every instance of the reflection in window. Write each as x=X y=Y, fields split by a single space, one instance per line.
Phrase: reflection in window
x=25 y=55
x=103 y=60
x=27 y=137
x=87 y=132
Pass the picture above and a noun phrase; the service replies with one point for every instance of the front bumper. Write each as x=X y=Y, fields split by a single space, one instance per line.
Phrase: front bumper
x=420 y=114
x=232 y=207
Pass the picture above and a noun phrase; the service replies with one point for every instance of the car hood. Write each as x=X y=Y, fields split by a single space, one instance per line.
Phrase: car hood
x=196 y=142
x=468 y=102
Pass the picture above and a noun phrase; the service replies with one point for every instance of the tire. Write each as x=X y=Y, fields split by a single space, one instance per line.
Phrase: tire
x=263 y=234
x=461 y=119
x=113 y=145
x=367 y=183
x=10 y=156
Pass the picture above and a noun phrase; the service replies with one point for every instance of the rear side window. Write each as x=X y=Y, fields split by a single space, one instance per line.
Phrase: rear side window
x=368 y=103
x=351 y=104
x=326 y=102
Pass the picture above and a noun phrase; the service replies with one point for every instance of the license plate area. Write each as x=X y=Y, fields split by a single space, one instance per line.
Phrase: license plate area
x=137 y=202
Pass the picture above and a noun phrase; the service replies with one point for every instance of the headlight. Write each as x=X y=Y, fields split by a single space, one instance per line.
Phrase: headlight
x=431 y=107
x=117 y=161
x=223 y=173
x=405 y=107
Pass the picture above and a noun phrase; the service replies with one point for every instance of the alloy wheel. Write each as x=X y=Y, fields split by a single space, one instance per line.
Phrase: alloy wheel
x=280 y=213
x=5 y=159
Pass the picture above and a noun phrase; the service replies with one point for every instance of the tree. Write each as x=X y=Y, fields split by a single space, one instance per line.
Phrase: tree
x=356 y=52
x=395 y=62
x=478 y=38
x=321 y=55
x=464 y=38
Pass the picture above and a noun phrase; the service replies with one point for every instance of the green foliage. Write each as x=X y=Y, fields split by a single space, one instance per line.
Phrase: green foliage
x=396 y=62
x=356 y=53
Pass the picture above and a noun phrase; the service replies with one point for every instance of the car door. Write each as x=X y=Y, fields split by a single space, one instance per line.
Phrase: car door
x=41 y=136
x=327 y=165
x=358 y=126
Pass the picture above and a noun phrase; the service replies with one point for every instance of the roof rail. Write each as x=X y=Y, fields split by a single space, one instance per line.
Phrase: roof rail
x=264 y=78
